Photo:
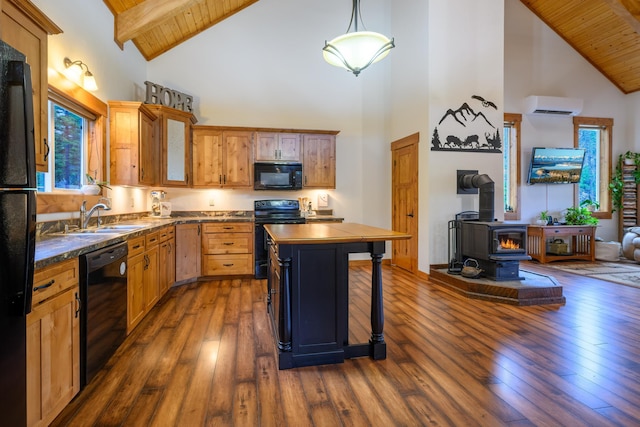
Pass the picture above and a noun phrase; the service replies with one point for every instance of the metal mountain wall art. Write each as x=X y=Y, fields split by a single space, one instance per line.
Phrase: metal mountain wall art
x=466 y=129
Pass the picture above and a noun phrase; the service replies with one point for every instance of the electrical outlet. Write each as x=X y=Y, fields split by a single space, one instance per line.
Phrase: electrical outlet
x=212 y=202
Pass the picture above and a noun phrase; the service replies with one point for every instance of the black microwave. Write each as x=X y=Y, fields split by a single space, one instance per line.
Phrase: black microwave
x=277 y=176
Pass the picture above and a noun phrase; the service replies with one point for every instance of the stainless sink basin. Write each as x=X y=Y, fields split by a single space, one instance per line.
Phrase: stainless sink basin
x=122 y=227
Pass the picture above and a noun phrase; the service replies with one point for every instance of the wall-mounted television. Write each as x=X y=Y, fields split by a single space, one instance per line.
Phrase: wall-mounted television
x=556 y=165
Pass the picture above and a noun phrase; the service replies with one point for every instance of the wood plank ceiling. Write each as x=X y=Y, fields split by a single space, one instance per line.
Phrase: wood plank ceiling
x=605 y=32
x=156 y=26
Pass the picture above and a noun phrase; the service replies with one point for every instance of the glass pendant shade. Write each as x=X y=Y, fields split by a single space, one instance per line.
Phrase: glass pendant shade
x=89 y=82
x=356 y=51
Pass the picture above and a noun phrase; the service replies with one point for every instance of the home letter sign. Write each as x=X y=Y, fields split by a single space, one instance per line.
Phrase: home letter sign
x=157 y=94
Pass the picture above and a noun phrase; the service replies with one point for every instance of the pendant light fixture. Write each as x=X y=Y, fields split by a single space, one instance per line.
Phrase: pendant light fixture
x=357 y=50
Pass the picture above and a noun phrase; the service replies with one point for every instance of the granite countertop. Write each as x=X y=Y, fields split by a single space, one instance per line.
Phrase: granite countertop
x=55 y=246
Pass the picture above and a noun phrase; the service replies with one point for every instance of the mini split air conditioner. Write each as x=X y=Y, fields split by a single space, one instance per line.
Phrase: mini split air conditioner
x=552 y=105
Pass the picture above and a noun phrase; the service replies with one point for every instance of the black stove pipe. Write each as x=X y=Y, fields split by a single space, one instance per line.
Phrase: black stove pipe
x=486 y=187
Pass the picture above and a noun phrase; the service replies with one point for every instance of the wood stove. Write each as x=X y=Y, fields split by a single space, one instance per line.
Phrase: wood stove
x=498 y=247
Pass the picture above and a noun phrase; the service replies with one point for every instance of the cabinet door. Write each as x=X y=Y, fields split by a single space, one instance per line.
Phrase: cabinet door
x=266 y=146
x=207 y=157
x=148 y=150
x=166 y=265
x=176 y=153
x=151 y=282
x=53 y=356
x=319 y=161
x=237 y=159
x=28 y=34
x=135 y=291
x=289 y=146
x=188 y=251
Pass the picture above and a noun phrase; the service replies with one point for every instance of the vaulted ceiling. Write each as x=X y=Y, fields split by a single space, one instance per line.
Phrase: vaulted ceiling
x=605 y=32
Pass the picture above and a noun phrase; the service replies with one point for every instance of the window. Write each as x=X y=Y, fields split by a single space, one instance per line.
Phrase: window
x=74 y=149
x=594 y=135
x=511 y=165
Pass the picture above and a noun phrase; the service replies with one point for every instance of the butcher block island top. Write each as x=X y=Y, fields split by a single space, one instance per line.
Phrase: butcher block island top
x=346 y=232
x=308 y=291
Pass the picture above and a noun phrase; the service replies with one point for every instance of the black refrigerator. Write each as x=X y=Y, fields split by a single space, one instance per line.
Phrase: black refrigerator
x=17 y=230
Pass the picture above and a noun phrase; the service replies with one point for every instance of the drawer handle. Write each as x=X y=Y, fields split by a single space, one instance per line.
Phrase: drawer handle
x=227 y=265
x=79 y=305
x=136 y=247
x=45 y=286
x=227 y=228
x=152 y=240
x=228 y=243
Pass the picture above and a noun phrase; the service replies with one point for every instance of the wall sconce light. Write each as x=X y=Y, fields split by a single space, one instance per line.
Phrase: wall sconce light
x=76 y=72
x=357 y=50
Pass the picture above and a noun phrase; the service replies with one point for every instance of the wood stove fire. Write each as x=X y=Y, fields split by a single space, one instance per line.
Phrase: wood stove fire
x=498 y=247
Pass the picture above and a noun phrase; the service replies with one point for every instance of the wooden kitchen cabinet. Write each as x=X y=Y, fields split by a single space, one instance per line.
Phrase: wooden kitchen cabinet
x=227 y=249
x=53 y=342
x=174 y=135
x=319 y=161
x=143 y=287
x=277 y=147
x=222 y=158
x=166 y=259
x=25 y=27
x=133 y=144
x=188 y=250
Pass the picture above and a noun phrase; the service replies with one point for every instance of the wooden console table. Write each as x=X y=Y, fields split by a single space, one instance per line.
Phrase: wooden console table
x=308 y=291
x=582 y=244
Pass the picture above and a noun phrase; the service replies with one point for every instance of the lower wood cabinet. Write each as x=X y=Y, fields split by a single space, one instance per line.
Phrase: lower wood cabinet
x=166 y=258
x=188 y=252
x=227 y=248
x=53 y=342
x=143 y=286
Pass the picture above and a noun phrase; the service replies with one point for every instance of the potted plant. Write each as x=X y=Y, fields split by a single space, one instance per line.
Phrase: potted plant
x=590 y=204
x=94 y=187
x=580 y=215
x=543 y=218
x=616 y=185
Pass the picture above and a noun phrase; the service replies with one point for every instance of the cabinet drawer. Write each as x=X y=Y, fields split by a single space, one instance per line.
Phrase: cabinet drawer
x=151 y=239
x=136 y=246
x=227 y=243
x=54 y=279
x=166 y=233
x=228 y=227
x=222 y=265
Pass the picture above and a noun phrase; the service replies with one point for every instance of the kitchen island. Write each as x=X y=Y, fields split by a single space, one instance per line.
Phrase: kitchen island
x=308 y=290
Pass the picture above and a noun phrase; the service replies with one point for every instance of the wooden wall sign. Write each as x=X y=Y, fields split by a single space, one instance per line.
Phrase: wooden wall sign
x=160 y=95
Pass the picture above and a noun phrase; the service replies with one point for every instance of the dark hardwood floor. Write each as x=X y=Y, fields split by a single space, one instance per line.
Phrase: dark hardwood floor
x=205 y=356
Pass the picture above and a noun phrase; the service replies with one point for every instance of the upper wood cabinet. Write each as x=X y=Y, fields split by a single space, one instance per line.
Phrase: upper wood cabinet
x=25 y=27
x=277 y=147
x=134 y=144
x=175 y=145
x=319 y=161
x=222 y=158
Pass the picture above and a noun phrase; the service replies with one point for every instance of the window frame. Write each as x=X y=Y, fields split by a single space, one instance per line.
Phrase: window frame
x=605 y=162
x=514 y=121
x=63 y=88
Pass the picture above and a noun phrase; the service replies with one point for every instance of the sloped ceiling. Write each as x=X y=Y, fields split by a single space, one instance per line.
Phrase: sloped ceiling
x=605 y=32
x=156 y=26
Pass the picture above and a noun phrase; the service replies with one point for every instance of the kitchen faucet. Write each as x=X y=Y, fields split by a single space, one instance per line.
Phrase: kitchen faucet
x=85 y=215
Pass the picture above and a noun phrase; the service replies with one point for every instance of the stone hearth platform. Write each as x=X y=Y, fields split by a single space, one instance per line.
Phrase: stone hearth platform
x=535 y=289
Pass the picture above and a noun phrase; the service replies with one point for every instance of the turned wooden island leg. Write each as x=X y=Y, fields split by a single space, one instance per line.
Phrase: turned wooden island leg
x=377 y=346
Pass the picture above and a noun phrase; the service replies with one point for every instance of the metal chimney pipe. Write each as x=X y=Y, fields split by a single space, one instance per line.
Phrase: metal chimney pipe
x=486 y=186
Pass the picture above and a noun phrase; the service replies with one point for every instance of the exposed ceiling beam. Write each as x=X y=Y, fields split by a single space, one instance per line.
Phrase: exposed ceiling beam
x=629 y=10
x=144 y=16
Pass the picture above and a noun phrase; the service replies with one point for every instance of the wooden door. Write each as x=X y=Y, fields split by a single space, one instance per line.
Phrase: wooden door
x=238 y=159
x=405 y=201
x=188 y=252
x=166 y=265
x=53 y=356
x=319 y=161
x=266 y=146
x=289 y=146
x=207 y=157
x=151 y=282
x=148 y=149
x=135 y=291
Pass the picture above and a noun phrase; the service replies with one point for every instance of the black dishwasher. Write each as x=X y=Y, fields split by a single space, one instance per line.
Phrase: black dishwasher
x=103 y=292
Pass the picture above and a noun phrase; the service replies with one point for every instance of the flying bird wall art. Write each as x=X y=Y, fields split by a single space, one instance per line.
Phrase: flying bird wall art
x=469 y=128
